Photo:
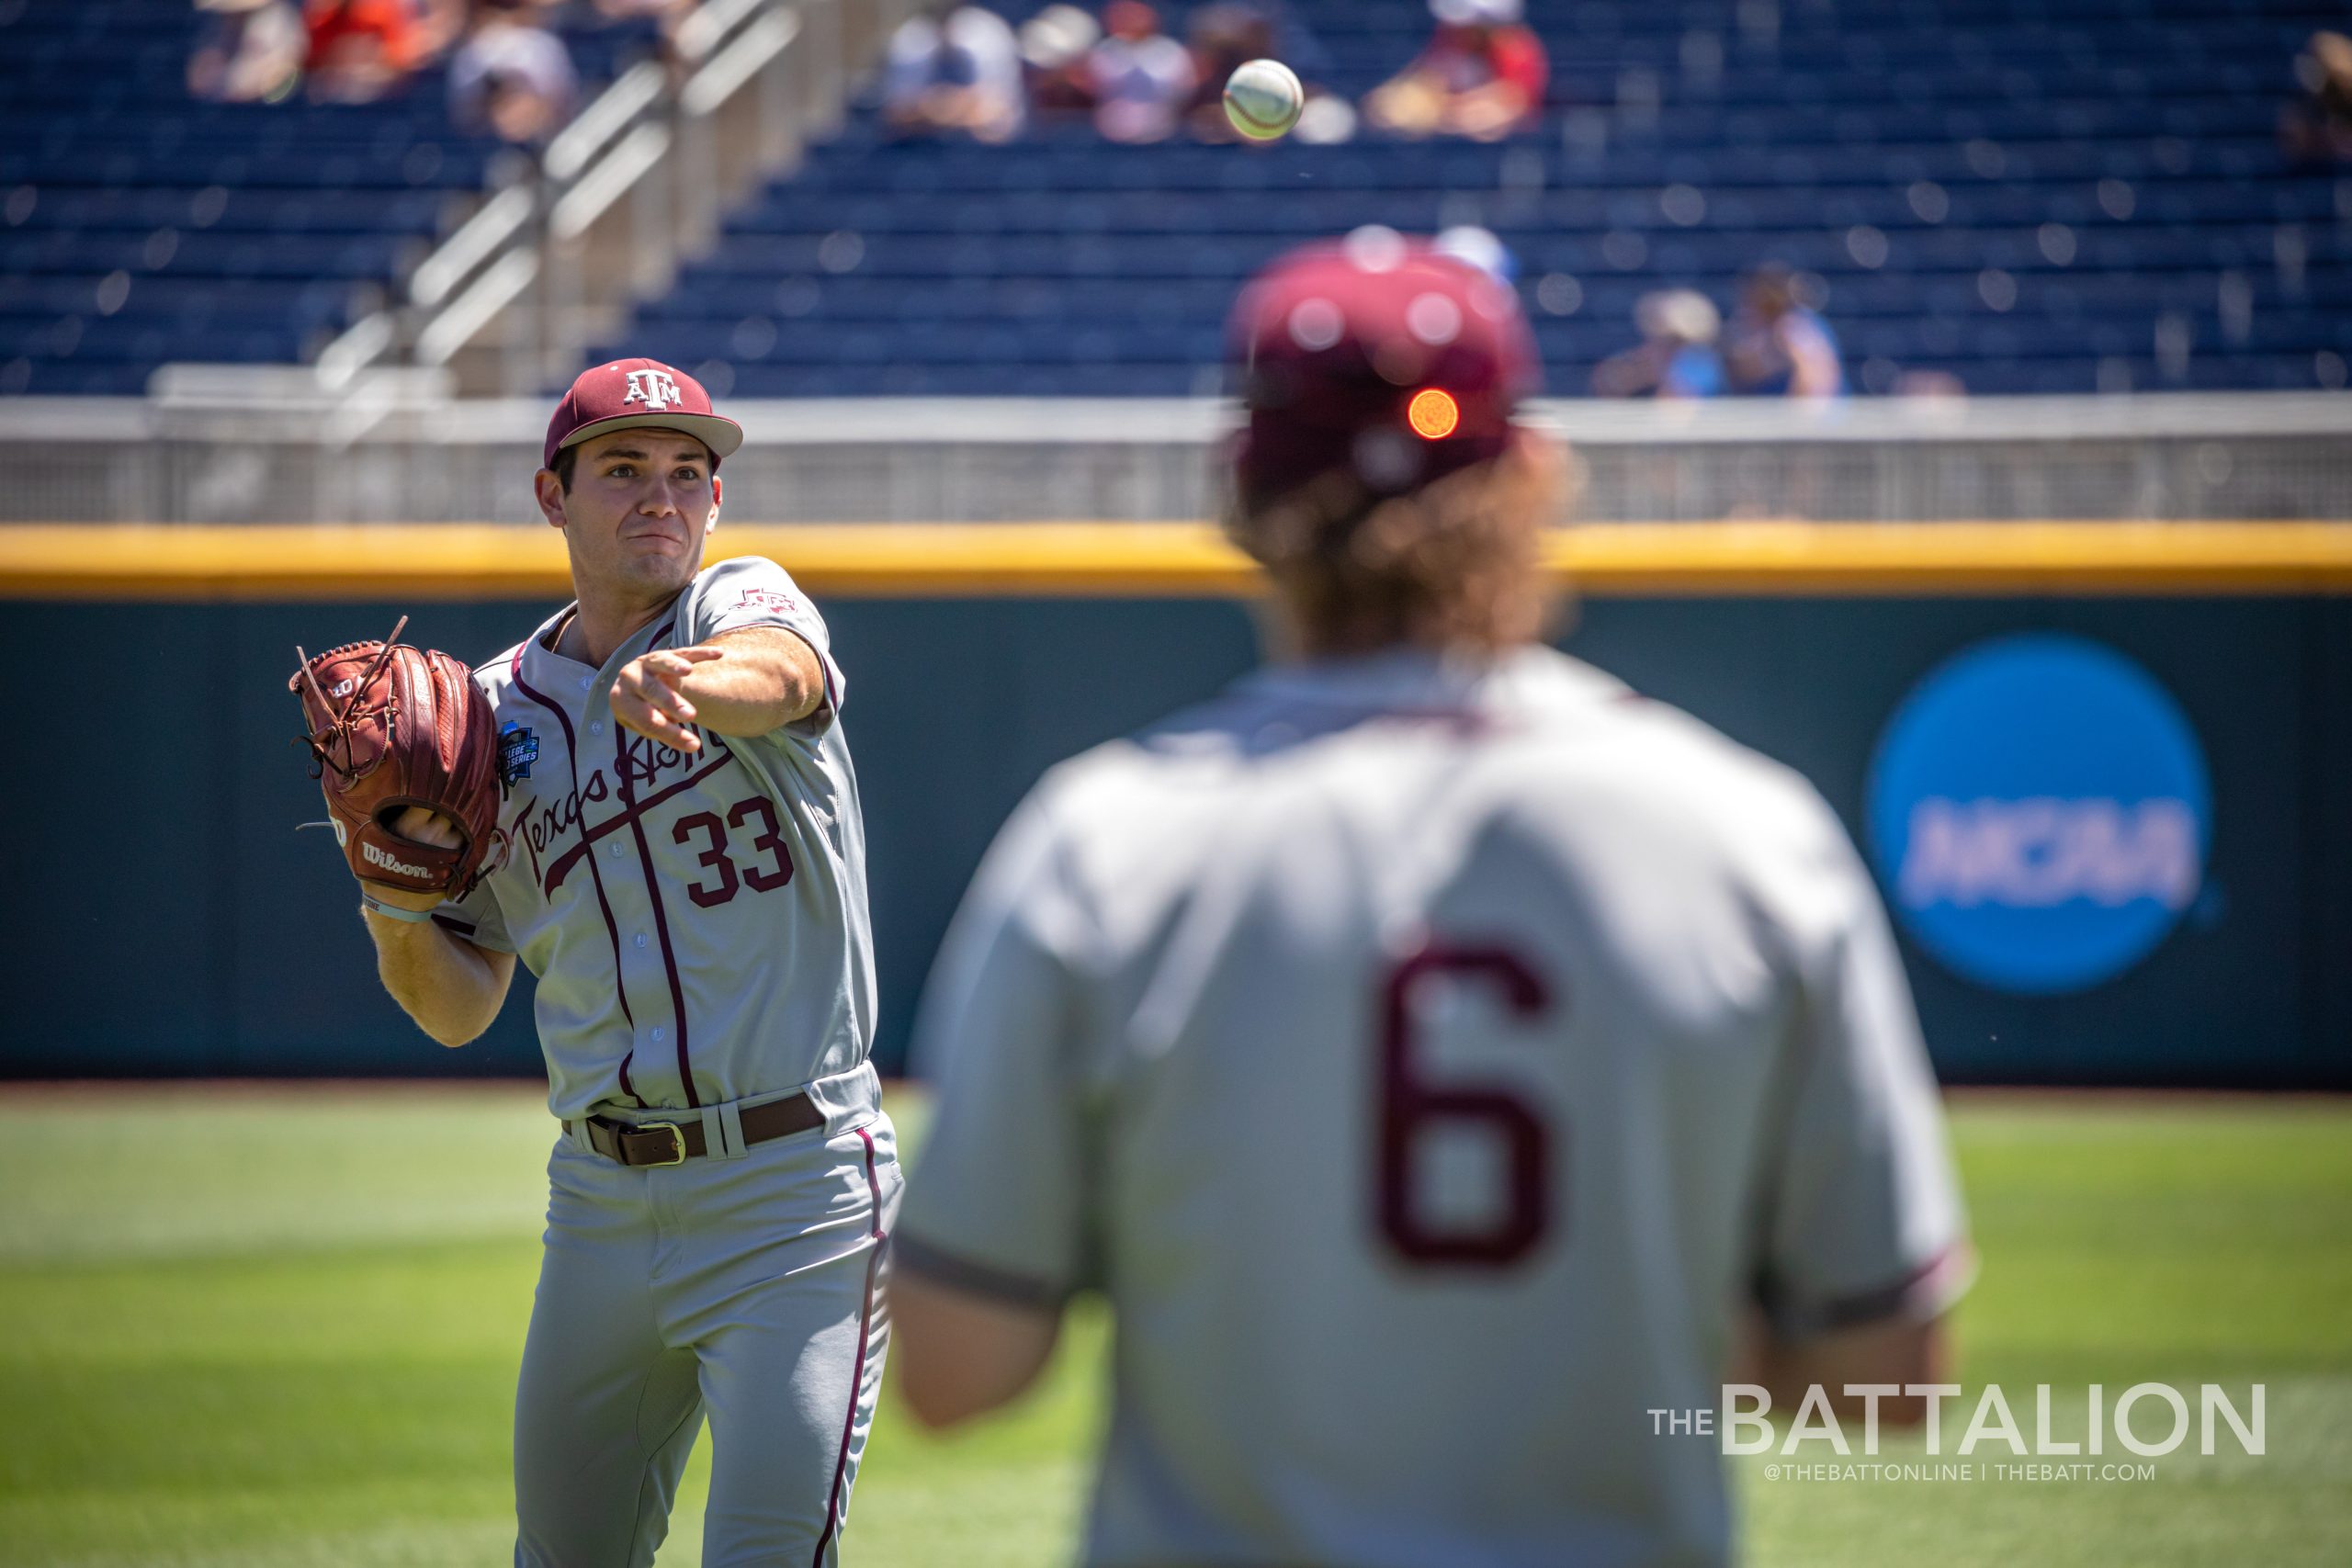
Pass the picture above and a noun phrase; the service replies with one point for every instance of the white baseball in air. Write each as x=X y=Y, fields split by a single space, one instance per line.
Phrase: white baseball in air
x=1263 y=99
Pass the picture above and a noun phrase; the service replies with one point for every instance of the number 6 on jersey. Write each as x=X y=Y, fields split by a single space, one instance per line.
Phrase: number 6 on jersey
x=1413 y=1107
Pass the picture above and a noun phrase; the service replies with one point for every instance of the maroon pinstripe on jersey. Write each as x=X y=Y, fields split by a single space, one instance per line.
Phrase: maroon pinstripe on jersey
x=718 y=946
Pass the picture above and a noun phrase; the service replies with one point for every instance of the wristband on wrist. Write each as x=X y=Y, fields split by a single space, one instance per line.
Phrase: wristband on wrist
x=393 y=911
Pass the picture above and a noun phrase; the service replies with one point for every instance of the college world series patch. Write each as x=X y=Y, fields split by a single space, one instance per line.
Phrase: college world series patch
x=517 y=750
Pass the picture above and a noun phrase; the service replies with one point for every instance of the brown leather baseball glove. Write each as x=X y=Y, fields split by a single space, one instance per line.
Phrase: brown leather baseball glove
x=391 y=727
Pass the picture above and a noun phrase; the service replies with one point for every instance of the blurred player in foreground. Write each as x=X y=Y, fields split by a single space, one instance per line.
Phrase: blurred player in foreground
x=1439 y=1056
x=685 y=874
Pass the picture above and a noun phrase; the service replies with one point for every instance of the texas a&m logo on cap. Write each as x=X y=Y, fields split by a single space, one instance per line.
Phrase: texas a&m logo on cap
x=627 y=394
x=655 y=388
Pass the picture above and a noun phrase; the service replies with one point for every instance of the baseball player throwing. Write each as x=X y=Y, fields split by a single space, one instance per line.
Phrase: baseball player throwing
x=679 y=860
x=1433 y=1051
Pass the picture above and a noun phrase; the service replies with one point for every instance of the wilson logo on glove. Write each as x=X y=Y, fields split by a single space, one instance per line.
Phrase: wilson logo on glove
x=384 y=858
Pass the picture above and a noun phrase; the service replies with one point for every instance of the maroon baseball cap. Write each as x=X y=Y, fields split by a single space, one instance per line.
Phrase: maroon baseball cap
x=636 y=394
x=1379 y=355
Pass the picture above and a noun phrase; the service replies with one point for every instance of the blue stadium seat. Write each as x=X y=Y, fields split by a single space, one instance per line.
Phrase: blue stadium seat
x=2014 y=191
x=138 y=226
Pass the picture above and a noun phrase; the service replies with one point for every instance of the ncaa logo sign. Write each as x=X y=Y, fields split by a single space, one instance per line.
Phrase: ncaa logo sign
x=2039 y=811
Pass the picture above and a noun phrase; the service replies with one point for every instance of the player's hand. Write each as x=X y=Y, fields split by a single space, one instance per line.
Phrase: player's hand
x=418 y=825
x=422 y=825
x=646 y=698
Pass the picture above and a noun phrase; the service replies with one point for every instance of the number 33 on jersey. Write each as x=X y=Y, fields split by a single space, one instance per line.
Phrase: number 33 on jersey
x=661 y=878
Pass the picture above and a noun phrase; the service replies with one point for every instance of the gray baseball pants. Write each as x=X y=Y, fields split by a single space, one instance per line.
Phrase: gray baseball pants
x=743 y=1290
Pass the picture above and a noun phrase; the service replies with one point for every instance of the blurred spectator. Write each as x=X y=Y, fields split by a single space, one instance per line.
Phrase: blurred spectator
x=512 y=76
x=1055 y=45
x=961 y=75
x=1142 y=78
x=2318 y=126
x=1481 y=75
x=1231 y=33
x=1933 y=386
x=1778 y=344
x=362 y=50
x=247 y=51
x=1677 y=357
x=1482 y=248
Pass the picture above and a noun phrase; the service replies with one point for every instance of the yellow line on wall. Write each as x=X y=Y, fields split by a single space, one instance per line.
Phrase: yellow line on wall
x=1935 y=558
x=404 y=561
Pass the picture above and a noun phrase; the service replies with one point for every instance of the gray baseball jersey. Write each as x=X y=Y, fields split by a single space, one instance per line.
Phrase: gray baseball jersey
x=697 y=921
x=697 y=926
x=1427 y=1062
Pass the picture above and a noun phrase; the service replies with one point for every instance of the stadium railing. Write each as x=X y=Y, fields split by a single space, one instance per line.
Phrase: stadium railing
x=638 y=180
x=391 y=445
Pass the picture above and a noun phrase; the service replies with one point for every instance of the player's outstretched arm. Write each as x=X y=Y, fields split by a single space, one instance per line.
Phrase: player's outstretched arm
x=745 y=682
x=960 y=1355
x=452 y=988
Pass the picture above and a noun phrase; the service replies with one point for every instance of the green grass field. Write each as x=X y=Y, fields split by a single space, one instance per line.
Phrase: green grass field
x=278 y=1327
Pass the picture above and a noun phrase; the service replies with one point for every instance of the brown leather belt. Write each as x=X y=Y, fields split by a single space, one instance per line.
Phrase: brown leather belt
x=675 y=1143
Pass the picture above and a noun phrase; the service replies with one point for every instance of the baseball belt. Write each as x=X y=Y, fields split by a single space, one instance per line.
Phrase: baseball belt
x=675 y=1143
